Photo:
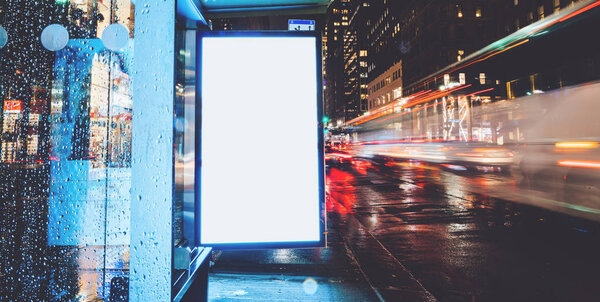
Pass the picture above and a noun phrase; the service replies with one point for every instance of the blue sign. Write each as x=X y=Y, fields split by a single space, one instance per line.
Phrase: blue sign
x=301 y=24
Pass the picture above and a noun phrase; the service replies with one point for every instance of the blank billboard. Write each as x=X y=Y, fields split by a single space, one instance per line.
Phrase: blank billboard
x=260 y=160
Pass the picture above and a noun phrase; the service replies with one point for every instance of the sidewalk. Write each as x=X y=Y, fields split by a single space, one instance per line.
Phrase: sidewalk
x=312 y=274
x=354 y=266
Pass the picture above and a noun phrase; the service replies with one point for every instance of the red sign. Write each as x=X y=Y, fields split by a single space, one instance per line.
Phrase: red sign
x=13 y=106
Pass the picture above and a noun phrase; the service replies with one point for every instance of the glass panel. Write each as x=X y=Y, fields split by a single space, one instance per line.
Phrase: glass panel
x=65 y=155
x=184 y=143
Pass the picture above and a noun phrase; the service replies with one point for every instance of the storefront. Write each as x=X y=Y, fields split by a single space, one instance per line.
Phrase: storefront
x=97 y=147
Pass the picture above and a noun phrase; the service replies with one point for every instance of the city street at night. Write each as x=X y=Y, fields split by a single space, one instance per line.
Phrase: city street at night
x=460 y=242
x=300 y=150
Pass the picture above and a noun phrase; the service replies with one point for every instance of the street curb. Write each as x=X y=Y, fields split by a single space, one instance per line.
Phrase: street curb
x=387 y=276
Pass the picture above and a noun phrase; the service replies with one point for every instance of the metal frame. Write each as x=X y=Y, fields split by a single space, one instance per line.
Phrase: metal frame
x=215 y=11
x=193 y=286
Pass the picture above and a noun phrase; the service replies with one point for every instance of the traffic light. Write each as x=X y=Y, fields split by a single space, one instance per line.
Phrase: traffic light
x=325 y=119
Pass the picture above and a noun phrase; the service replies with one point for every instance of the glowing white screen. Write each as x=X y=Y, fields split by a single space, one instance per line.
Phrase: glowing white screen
x=260 y=163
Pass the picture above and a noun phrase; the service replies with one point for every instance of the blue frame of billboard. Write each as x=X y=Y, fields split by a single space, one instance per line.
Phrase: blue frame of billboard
x=320 y=142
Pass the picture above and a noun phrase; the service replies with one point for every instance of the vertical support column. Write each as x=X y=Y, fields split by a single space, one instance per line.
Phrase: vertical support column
x=152 y=148
x=470 y=102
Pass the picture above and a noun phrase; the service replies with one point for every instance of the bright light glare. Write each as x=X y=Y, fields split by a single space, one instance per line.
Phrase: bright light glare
x=577 y=145
x=580 y=164
x=260 y=163
x=310 y=286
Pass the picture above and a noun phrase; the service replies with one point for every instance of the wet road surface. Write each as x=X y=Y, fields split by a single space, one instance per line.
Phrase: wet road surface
x=460 y=243
x=308 y=274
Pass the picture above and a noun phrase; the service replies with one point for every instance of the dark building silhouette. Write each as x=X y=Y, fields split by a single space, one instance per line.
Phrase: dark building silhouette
x=425 y=35
x=336 y=24
x=355 y=60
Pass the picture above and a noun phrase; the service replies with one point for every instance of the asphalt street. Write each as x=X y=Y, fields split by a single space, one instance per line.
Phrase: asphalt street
x=464 y=236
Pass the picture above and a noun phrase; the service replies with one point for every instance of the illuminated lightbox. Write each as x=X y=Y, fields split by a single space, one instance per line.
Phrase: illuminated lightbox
x=260 y=158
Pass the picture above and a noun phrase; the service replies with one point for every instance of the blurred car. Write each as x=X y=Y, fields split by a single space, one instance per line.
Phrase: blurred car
x=455 y=153
x=570 y=170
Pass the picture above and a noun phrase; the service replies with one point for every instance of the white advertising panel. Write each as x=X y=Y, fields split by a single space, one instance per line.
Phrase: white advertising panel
x=260 y=160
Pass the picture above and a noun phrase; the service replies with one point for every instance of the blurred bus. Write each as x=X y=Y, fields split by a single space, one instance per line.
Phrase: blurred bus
x=529 y=102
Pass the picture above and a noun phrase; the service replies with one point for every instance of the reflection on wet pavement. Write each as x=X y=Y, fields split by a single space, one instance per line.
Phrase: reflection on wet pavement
x=462 y=244
x=310 y=274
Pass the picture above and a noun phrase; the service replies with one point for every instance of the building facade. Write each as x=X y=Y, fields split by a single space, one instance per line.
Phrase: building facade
x=355 y=61
x=425 y=35
x=385 y=88
x=335 y=26
x=517 y=14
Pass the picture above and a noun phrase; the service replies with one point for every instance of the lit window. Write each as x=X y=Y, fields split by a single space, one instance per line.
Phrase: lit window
x=397 y=92
x=478 y=12
x=541 y=12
